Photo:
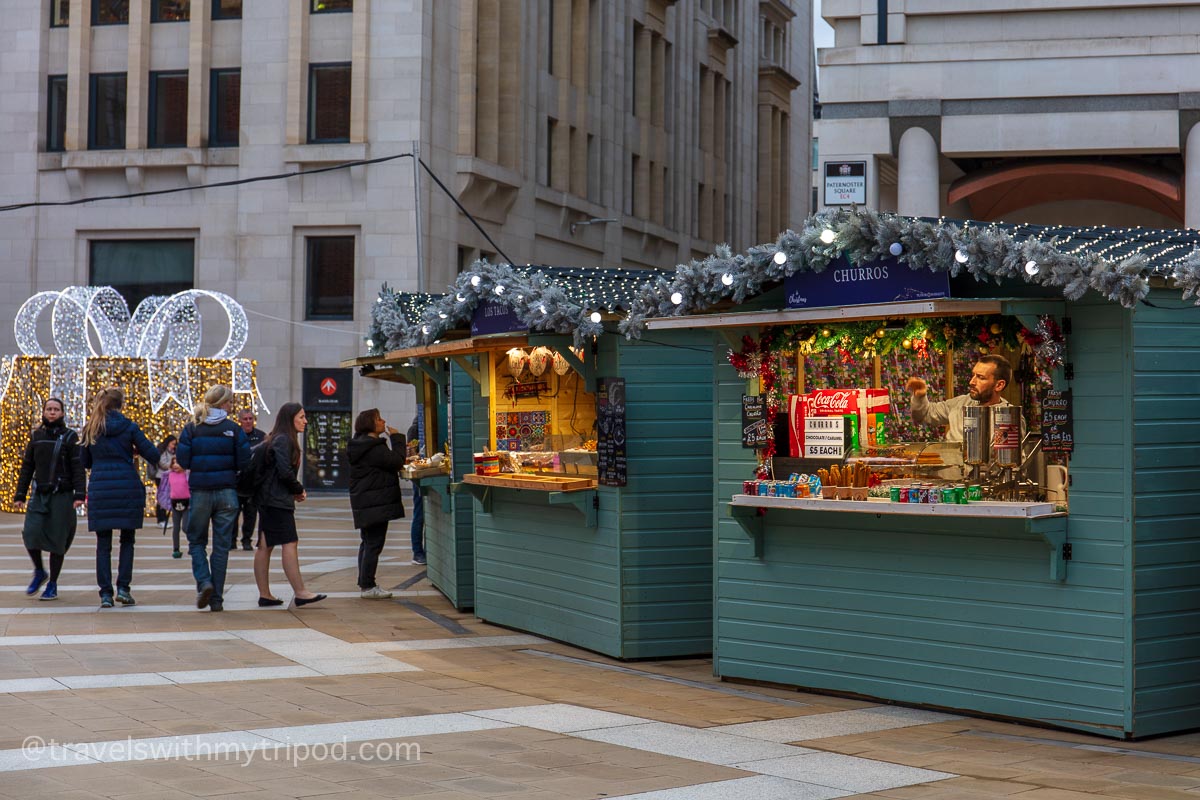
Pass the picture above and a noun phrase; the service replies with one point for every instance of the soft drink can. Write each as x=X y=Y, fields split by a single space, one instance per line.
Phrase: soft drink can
x=749 y=487
x=948 y=495
x=975 y=494
x=960 y=495
x=903 y=493
x=935 y=495
x=894 y=494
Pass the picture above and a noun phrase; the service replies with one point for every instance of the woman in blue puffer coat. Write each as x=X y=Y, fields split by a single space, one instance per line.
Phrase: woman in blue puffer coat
x=116 y=494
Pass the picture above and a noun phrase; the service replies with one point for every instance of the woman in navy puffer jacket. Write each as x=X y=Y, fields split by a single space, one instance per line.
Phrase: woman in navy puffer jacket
x=116 y=494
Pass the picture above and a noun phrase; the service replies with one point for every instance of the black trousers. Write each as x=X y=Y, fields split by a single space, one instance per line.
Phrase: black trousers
x=249 y=511
x=373 y=538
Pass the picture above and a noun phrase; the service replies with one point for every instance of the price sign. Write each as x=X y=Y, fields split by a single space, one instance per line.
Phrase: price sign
x=754 y=421
x=824 y=437
x=1058 y=434
x=610 y=431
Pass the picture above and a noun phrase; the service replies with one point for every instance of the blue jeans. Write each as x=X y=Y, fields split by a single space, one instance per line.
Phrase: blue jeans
x=220 y=506
x=418 y=523
x=104 y=561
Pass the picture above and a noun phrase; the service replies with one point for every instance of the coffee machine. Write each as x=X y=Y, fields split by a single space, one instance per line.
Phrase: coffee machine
x=993 y=448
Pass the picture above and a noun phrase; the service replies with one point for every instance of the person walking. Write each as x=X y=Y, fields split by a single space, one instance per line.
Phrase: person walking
x=417 y=533
x=277 y=497
x=247 y=507
x=116 y=494
x=214 y=449
x=158 y=474
x=375 y=497
x=53 y=466
x=180 y=500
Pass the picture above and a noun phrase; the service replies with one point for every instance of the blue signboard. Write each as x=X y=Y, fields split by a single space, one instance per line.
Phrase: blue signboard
x=846 y=284
x=492 y=317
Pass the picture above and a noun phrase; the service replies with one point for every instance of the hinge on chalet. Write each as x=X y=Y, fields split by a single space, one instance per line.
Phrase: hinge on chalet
x=1067 y=551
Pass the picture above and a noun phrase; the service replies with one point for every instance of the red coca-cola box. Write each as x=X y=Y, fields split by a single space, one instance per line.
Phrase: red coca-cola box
x=832 y=403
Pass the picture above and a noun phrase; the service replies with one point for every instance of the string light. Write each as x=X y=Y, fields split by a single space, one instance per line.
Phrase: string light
x=727 y=279
x=596 y=317
x=677 y=298
x=960 y=256
x=827 y=236
x=781 y=257
x=475 y=280
x=1032 y=268
x=896 y=248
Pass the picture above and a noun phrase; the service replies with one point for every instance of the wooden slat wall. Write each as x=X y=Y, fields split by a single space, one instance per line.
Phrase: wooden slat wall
x=666 y=517
x=1166 y=381
x=449 y=525
x=961 y=616
x=639 y=584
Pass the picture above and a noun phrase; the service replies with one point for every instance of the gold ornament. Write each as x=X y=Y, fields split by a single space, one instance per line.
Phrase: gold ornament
x=880 y=333
x=825 y=332
x=983 y=350
x=906 y=344
x=995 y=327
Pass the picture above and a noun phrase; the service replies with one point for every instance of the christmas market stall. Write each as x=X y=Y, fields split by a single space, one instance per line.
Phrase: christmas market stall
x=153 y=354
x=1026 y=549
x=590 y=479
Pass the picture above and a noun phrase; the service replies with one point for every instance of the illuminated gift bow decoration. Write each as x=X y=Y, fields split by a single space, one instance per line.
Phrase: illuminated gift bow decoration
x=163 y=330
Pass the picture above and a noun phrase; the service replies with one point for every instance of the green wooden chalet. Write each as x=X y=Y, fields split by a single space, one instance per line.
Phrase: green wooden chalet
x=623 y=570
x=965 y=614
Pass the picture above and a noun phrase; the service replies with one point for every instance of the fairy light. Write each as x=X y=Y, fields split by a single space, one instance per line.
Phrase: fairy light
x=1032 y=268
x=727 y=279
x=827 y=236
x=780 y=257
x=595 y=317
x=960 y=256
x=896 y=248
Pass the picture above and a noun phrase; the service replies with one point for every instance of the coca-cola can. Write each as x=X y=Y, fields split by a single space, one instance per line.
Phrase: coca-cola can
x=749 y=487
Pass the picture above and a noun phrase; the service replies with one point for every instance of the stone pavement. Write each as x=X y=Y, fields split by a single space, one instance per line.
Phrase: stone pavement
x=370 y=699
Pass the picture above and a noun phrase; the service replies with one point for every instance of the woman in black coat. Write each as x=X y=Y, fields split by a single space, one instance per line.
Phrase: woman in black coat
x=52 y=465
x=375 y=495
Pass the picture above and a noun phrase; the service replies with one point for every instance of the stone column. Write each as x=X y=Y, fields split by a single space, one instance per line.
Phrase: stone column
x=1191 y=189
x=199 y=65
x=918 y=194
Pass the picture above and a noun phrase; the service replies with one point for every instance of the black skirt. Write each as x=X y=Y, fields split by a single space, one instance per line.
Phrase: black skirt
x=278 y=525
x=50 y=522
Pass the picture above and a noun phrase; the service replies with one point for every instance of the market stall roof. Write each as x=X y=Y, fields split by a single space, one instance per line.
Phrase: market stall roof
x=745 y=319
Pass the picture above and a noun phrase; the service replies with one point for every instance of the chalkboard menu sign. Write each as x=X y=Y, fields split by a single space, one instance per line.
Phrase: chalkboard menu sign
x=754 y=421
x=610 y=431
x=1057 y=423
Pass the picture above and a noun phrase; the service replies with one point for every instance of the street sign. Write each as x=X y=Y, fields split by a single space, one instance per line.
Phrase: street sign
x=845 y=183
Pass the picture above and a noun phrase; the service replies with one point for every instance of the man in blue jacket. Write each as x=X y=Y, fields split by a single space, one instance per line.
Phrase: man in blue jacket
x=215 y=449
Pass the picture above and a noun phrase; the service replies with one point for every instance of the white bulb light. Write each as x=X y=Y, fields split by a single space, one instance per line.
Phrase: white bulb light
x=960 y=256
x=542 y=310
x=1032 y=268
x=441 y=315
x=781 y=257
x=596 y=317
x=474 y=280
x=727 y=279
x=896 y=248
x=378 y=299
x=370 y=344
x=677 y=298
x=827 y=236
x=460 y=298
x=425 y=329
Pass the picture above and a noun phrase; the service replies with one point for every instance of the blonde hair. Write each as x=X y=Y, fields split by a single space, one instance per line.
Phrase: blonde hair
x=213 y=398
x=110 y=399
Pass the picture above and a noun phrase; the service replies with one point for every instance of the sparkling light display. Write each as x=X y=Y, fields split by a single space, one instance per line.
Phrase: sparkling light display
x=153 y=355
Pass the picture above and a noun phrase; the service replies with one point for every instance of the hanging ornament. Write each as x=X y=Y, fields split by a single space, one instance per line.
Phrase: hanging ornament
x=561 y=366
x=539 y=359
x=995 y=328
x=906 y=344
x=880 y=333
x=517 y=360
x=1052 y=348
x=826 y=333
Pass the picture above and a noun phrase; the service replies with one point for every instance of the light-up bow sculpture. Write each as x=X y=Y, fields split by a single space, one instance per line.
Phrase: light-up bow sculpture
x=94 y=321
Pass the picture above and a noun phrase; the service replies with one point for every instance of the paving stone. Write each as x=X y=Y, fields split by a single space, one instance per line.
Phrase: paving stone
x=696 y=744
x=844 y=772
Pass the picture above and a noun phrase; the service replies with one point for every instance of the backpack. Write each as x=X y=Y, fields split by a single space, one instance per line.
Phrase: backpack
x=254 y=474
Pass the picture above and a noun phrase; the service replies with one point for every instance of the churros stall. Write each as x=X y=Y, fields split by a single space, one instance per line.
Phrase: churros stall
x=892 y=521
x=590 y=480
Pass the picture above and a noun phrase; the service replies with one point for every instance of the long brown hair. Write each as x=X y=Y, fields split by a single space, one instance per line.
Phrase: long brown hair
x=285 y=425
x=110 y=399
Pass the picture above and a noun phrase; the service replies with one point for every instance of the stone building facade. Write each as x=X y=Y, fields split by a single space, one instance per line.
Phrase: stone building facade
x=588 y=132
x=1023 y=110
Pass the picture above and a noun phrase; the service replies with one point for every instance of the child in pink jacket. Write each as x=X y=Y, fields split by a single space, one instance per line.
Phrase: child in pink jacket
x=181 y=498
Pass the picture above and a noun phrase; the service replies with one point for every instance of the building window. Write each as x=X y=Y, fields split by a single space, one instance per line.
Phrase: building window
x=331 y=6
x=56 y=113
x=224 y=125
x=329 y=284
x=106 y=111
x=110 y=12
x=815 y=154
x=227 y=9
x=138 y=268
x=168 y=109
x=329 y=103
x=60 y=13
x=170 y=10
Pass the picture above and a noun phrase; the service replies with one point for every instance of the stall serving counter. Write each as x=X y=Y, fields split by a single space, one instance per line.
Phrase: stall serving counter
x=591 y=479
x=1071 y=598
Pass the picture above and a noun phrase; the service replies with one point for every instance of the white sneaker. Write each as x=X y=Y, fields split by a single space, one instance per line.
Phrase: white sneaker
x=375 y=593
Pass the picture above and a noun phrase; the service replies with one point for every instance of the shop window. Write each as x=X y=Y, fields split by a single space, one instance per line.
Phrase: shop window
x=56 y=113
x=106 y=112
x=332 y=6
x=168 y=109
x=170 y=10
x=110 y=12
x=60 y=13
x=225 y=108
x=329 y=103
x=227 y=9
x=139 y=268
x=329 y=277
